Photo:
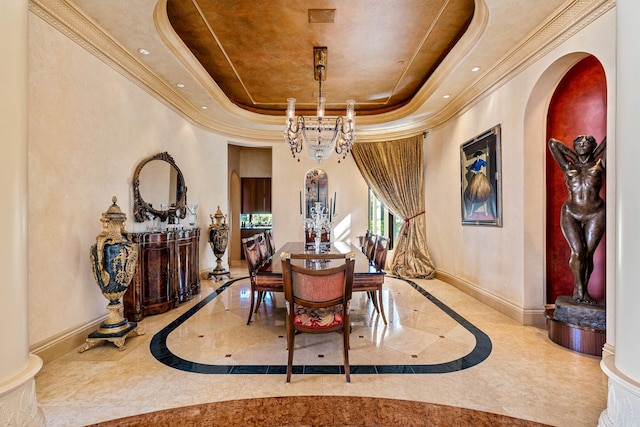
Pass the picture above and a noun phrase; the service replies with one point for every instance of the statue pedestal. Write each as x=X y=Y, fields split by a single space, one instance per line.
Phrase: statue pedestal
x=578 y=327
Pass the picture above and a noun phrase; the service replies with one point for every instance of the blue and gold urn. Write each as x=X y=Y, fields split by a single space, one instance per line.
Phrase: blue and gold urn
x=113 y=259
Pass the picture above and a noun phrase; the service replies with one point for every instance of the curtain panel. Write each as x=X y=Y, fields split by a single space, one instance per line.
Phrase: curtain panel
x=394 y=170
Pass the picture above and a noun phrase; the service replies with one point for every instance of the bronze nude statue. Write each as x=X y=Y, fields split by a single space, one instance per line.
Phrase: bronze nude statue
x=582 y=216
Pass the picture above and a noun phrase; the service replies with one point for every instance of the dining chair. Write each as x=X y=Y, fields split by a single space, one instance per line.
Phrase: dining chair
x=376 y=250
x=317 y=299
x=254 y=259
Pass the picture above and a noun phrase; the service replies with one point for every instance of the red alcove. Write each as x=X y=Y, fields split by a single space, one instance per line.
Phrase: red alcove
x=578 y=107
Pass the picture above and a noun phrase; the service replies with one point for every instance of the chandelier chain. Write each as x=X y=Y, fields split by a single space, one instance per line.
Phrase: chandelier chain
x=320 y=136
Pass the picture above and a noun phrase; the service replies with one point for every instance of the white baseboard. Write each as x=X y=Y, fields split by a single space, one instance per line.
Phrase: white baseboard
x=523 y=315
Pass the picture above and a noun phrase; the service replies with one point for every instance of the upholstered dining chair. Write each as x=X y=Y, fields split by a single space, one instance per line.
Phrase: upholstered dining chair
x=254 y=258
x=317 y=300
x=376 y=250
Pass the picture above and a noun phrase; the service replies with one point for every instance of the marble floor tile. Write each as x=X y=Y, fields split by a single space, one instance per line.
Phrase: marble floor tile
x=518 y=373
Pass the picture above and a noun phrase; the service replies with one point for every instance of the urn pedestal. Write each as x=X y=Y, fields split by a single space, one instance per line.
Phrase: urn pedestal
x=113 y=260
x=218 y=240
x=578 y=327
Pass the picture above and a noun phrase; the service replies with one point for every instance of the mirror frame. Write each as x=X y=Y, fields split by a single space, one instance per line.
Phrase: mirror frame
x=142 y=209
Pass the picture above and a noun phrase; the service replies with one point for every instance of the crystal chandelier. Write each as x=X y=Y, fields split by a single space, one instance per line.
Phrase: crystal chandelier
x=319 y=135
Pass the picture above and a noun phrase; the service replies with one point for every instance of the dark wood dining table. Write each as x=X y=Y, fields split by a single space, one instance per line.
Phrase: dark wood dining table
x=366 y=275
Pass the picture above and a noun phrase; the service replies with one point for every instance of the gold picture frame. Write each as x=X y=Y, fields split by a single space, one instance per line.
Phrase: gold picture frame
x=481 y=180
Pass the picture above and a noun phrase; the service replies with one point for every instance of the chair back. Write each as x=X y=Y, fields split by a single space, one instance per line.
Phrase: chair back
x=380 y=253
x=270 y=242
x=371 y=246
x=365 y=242
x=310 y=235
x=262 y=247
x=251 y=254
x=314 y=286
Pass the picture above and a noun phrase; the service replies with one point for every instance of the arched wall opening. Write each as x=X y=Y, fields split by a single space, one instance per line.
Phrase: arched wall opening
x=534 y=187
x=578 y=107
x=234 y=206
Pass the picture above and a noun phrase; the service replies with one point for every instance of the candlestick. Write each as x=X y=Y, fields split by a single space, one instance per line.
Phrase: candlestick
x=335 y=197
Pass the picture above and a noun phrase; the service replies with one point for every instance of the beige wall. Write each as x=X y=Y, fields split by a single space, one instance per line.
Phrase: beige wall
x=344 y=179
x=89 y=127
x=255 y=162
x=506 y=264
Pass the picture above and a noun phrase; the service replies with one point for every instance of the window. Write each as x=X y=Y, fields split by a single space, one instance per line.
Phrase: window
x=381 y=220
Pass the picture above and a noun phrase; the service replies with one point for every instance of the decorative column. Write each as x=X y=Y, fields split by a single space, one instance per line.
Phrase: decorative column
x=622 y=368
x=18 y=403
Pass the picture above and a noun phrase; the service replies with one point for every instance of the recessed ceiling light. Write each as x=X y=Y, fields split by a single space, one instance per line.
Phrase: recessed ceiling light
x=447 y=96
x=474 y=69
x=144 y=51
x=180 y=84
x=204 y=107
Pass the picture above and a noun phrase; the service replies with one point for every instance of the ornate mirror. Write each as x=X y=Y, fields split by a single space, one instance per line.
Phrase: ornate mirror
x=316 y=189
x=158 y=189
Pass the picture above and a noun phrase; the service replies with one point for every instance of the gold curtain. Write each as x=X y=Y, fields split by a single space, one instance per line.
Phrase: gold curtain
x=394 y=171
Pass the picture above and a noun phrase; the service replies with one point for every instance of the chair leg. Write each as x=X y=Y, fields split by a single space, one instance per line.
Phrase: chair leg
x=260 y=298
x=374 y=299
x=345 y=351
x=252 y=302
x=291 y=337
x=381 y=311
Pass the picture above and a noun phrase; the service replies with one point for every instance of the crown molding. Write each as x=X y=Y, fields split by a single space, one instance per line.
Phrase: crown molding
x=562 y=26
x=241 y=124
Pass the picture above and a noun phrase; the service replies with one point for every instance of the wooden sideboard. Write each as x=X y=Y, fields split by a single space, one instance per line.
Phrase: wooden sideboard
x=167 y=272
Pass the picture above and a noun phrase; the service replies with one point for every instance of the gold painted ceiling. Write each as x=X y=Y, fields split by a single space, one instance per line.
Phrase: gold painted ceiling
x=380 y=53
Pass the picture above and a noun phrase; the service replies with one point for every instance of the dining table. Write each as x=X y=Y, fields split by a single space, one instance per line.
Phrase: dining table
x=367 y=276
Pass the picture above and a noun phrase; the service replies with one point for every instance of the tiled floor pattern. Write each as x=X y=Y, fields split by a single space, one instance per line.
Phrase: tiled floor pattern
x=478 y=351
x=524 y=376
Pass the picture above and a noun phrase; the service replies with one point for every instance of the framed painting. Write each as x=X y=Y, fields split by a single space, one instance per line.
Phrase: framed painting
x=481 y=181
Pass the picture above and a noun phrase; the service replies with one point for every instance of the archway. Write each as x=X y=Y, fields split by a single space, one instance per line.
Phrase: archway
x=234 y=203
x=534 y=187
x=578 y=106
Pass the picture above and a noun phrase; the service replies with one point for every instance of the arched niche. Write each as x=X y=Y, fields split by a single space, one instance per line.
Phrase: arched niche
x=578 y=107
x=534 y=192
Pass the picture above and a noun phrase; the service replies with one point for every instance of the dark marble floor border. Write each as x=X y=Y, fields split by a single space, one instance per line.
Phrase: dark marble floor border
x=480 y=352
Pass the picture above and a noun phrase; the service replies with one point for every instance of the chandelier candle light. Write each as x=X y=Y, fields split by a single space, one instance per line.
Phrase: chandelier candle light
x=319 y=222
x=320 y=135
